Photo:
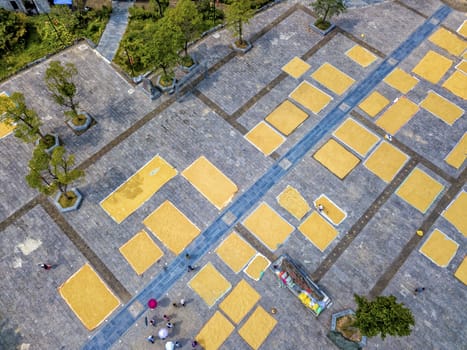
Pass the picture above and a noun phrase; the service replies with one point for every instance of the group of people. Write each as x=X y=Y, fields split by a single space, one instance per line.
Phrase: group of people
x=163 y=332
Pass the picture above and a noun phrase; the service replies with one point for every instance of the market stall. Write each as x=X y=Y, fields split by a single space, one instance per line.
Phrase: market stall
x=295 y=278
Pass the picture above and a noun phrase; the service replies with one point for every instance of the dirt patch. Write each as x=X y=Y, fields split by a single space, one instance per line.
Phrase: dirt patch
x=98 y=4
x=459 y=5
x=345 y=326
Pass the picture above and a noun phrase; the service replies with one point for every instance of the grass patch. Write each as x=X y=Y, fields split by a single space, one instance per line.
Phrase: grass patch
x=79 y=119
x=41 y=40
x=67 y=200
x=323 y=25
x=48 y=141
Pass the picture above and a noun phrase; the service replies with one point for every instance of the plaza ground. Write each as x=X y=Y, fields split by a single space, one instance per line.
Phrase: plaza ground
x=236 y=166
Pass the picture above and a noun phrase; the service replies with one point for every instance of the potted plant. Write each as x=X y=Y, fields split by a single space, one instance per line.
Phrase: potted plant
x=325 y=10
x=186 y=16
x=26 y=121
x=238 y=13
x=51 y=172
x=382 y=316
x=60 y=82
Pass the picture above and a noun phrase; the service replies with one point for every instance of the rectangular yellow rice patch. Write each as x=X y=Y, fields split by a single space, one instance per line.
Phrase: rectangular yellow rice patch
x=268 y=226
x=318 y=231
x=265 y=138
x=419 y=190
x=461 y=272
x=456 y=213
x=171 y=227
x=296 y=67
x=88 y=297
x=397 y=115
x=442 y=108
x=457 y=84
x=330 y=210
x=210 y=182
x=141 y=186
x=356 y=136
x=235 y=252
x=336 y=159
x=310 y=97
x=141 y=252
x=286 y=117
x=209 y=284
x=215 y=332
x=256 y=267
x=439 y=248
x=361 y=55
x=332 y=78
x=240 y=301
x=292 y=201
x=457 y=156
x=401 y=80
x=448 y=41
x=257 y=328
x=374 y=104
x=386 y=161
x=432 y=67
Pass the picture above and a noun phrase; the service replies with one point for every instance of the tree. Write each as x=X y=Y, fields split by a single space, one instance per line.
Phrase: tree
x=15 y=112
x=328 y=8
x=187 y=17
x=59 y=81
x=162 y=48
x=51 y=172
x=158 y=6
x=238 y=13
x=12 y=29
x=60 y=28
x=383 y=316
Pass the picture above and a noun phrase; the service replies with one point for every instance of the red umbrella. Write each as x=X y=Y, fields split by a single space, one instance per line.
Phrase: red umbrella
x=152 y=303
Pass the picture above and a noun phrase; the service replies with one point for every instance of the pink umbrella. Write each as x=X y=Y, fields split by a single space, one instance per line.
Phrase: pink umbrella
x=152 y=303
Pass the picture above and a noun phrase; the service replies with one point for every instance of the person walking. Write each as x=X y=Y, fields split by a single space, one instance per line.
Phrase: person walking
x=45 y=266
x=419 y=290
x=169 y=325
x=177 y=344
x=151 y=339
x=190 y=268
x=182 y=302
x=167 y=318
x=194 y=344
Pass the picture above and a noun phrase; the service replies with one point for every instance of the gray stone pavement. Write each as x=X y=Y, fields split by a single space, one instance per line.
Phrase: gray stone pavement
x=188 y=129
x=113 y=33
x=112 y=101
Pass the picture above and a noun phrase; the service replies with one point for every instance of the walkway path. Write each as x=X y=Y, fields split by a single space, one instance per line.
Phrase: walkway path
x=112 y=331
x=113 y=33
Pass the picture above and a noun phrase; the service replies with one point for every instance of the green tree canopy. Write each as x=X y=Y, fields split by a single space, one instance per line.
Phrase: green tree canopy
x=14 y=111
x=61 y=30
x=328 y=8
x=49 y=173
x=236 y=15
x=383 y=316
x=59 y=80
x=187 y=17
x=13 y=27
x=158 y=6
x=162 y=48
